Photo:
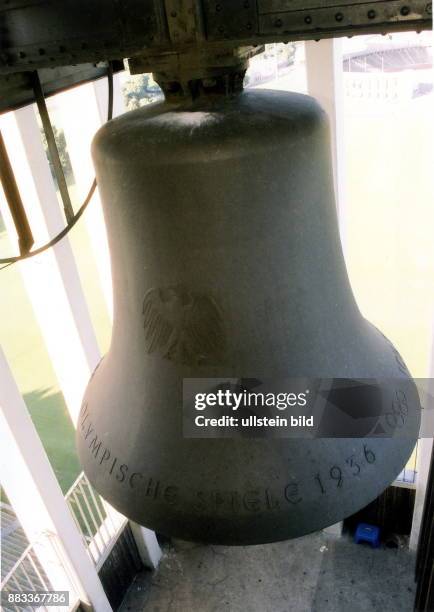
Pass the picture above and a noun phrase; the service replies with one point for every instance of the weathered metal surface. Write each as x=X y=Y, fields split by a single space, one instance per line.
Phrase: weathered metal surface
x=42 y=33
x=227 y=263
x=16 y=89
x=38 y=34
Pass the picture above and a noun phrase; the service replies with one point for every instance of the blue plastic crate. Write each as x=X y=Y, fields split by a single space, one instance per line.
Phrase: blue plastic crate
x=367 y=533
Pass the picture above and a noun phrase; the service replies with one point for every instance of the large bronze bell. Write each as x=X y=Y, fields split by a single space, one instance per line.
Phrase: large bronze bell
x=227 y=262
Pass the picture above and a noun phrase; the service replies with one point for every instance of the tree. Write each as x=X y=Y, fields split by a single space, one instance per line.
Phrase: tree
x=139 y=90
x=60 y=139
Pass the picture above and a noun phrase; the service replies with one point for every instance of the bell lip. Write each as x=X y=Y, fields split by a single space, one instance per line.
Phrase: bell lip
x=282 y=536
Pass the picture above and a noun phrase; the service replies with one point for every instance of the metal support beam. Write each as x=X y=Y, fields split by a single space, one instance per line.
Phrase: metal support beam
x=44 y=33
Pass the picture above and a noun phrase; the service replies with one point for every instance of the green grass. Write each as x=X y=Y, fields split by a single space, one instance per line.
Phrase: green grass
x=51 y=419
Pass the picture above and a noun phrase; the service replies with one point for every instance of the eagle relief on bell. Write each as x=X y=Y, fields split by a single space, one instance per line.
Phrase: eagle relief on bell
x=227 y=263
x=183 y=326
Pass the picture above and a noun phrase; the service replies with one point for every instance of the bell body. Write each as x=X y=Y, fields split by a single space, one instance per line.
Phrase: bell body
x=226 y=262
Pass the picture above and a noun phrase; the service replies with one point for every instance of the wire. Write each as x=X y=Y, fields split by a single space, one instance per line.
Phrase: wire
x=11 y=260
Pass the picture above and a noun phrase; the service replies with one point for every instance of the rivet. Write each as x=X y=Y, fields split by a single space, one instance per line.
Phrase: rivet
x=249 y=26
x=405 y=11
x=308 y=19
x=218 y=7
x=429 y=8
x=339 y=17
x=278 y=23
x=371 y=14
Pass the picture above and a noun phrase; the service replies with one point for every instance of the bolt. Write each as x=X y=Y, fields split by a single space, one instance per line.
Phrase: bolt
x=405 y=11
x=429 y=8
x=339 y=17
x=218 y=7
x=246 y=4
x=308 y=19
x=249 y=26
x=371 y=14
x=173 y=14
x=278 y=23
x=221 y=29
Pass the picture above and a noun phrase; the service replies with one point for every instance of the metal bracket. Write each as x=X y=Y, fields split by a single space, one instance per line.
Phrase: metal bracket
x=185 y=21
x=190 y=73
x=52 y=148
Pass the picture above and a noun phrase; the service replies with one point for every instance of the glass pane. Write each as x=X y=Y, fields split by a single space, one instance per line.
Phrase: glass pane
x=280 y=66
x=389 y=212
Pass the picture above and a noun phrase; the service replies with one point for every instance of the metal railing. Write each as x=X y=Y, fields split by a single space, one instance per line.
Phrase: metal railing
x=27 y=575
x=98 y=523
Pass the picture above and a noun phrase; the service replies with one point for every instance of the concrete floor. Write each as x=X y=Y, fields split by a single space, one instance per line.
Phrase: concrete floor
x=316 y=573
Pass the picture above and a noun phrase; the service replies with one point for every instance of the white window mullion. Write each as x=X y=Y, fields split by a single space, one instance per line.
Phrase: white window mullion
x=325 y=83
x=37 y=500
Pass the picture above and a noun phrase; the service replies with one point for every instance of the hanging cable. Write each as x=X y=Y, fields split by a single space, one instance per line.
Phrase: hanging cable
x=11 y=260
